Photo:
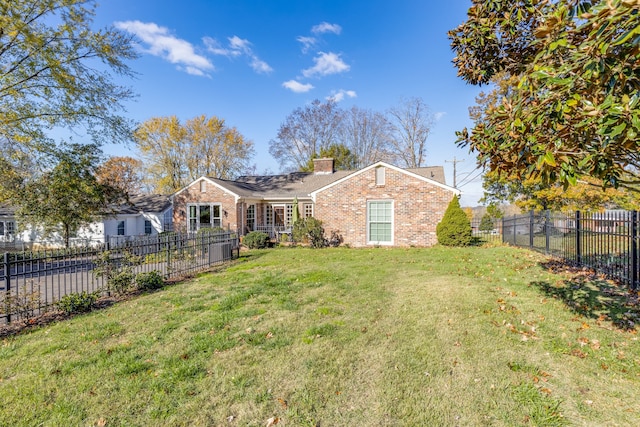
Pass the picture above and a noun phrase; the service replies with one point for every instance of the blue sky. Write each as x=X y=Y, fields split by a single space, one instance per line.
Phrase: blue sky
x=253 y=62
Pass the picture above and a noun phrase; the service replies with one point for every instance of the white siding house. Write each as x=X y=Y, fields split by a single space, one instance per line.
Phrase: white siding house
x=145 y=215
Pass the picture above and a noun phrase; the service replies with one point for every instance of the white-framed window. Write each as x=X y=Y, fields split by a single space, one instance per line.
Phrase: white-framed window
x=289 y=215
x=148 y=229
x=121 y=228
x=307 y=210
x=268 y=215
x=10 y=228
x=204 y=215
x=251 y=217
x=203 y=186
x=380 y=222
x=380 y=175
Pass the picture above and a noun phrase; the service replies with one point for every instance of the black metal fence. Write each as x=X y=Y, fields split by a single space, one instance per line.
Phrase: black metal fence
x=30 y=282
x=606 y=242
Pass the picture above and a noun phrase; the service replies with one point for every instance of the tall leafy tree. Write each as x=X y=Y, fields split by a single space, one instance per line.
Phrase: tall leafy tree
x=57 y=71
x=216 y=149
x=69 y=195
x=163 y=145
x=123 y=172
x=411 y=124
x=175 y=153
x=573 y=107
x=305 y=132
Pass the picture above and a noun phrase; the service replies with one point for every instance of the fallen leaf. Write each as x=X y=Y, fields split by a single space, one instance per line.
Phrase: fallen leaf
x=282 y=403
x=272 y=421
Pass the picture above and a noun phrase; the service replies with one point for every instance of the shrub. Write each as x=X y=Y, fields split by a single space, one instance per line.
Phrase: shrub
x=149 y=281
x=121 y=282
x=77 y=303
x=309 y=230
x=486 y=223
x=455 y=228
x=256 y=240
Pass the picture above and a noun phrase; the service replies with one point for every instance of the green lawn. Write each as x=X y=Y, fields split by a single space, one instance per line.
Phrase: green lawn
x=340 y=337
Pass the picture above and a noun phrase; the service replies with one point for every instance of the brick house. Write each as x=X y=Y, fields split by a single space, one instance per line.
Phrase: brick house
x=380 y=204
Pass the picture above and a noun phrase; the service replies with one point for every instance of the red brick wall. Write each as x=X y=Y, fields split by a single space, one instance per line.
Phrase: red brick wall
x=212 y=194
x=417 y=207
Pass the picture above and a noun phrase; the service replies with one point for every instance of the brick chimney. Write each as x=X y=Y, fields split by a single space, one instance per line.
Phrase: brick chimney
x=323 y=166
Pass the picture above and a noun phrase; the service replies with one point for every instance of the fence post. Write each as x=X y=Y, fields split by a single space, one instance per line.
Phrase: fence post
x=7 y=281
x=547 y=231
x=578 y=239
x=634 y=250
x=531 y=221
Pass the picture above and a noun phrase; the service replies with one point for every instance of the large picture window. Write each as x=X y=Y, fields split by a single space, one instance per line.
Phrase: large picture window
x=204 y=216
x=380 y=222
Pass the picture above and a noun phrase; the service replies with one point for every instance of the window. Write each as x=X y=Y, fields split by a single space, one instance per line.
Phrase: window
x=308 y=210
x=120 y=228
x=251 y=217
x=380 y=222
x=1 y=228
x=203 y=186
x=204 y=216
x=268 y=215
x=289 y=217
x=380 y=175
x=11 y=226
x=147 y=227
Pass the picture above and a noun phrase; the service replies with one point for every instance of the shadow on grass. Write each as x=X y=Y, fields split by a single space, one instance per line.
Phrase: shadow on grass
x=593 y=296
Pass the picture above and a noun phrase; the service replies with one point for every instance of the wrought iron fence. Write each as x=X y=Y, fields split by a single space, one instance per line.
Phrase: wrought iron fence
x=30 y=282
x=606 y=242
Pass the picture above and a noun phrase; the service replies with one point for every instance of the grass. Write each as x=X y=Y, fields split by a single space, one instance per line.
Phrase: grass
x=340 y=337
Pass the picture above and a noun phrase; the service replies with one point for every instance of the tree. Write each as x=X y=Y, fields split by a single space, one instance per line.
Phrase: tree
x=367 y=134
x=573 y=107
x=532 y=193
x=411 y=124
x=486 y=223
x=215 y=149
x=59 y=72
x=69 y=196
x=455 y=228
x=343 y=158
x=162 y=143
x=122 y=172
x=305 y=132
x=175 y=154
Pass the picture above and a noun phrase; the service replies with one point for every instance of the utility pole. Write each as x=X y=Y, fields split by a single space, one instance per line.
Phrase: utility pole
x=455 y=162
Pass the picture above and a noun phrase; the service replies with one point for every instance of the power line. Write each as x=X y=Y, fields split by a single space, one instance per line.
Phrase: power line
x=455 y=162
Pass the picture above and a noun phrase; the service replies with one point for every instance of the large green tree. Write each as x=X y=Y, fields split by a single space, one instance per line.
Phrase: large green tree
x=69 y=195
x=57 y=71
x=573 y=107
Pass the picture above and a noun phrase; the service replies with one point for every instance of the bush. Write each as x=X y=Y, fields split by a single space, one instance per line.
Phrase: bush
x=455 y=228
x=486 y=223
x=149 y=281
x=309 y=230
x=121 y=282
x=77 y=303
x=256 y=240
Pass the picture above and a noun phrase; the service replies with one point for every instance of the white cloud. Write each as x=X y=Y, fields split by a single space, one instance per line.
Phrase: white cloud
x=439 y=115
x=161 y=43
x=297 y=87
x=326 y=63
x=307 y=43
x=237 y=47
x=337 y=96
x=325 y=27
